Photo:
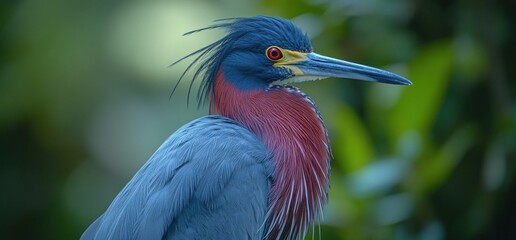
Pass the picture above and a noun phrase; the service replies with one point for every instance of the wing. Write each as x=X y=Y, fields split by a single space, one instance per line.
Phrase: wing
x=209 y=180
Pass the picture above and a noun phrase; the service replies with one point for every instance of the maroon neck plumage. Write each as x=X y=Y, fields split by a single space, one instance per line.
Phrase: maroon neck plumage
x=289 y=125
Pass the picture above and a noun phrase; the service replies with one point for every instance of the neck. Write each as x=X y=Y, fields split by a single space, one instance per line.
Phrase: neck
x=289 y=125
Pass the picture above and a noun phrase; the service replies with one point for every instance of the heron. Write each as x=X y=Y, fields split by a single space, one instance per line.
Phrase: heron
x=258 y=166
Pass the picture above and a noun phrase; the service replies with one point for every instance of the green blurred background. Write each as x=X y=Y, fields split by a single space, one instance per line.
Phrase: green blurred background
x=84 y=101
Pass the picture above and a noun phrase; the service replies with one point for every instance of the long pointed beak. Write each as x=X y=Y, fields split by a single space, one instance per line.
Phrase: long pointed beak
x=315 y=66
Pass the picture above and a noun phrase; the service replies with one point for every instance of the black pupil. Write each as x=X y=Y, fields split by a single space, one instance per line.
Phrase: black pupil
x=274 y=53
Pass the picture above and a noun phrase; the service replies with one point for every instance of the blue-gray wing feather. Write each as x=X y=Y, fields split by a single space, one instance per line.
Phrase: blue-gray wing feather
x=209 y=180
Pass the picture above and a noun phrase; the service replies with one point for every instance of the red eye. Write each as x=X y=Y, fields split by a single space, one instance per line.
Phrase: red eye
x=274 y=53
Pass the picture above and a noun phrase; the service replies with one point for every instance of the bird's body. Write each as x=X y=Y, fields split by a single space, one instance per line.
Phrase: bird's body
x=256 y=169
x=177 y=194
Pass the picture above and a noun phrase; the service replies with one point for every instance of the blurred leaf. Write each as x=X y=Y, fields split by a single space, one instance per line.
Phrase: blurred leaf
x=433 y=230
x=378 y=177
x=470 y=57
x=437 y=167
x=419 y=103
x=340 y=210
x=353 y=141
x=392 y=209
x=495 y=165
x=410 y=146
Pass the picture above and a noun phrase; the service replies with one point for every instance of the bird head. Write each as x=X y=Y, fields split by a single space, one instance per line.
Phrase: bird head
x=259 y=52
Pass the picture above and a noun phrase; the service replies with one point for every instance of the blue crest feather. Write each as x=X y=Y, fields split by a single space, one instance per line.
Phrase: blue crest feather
x=243 y=34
